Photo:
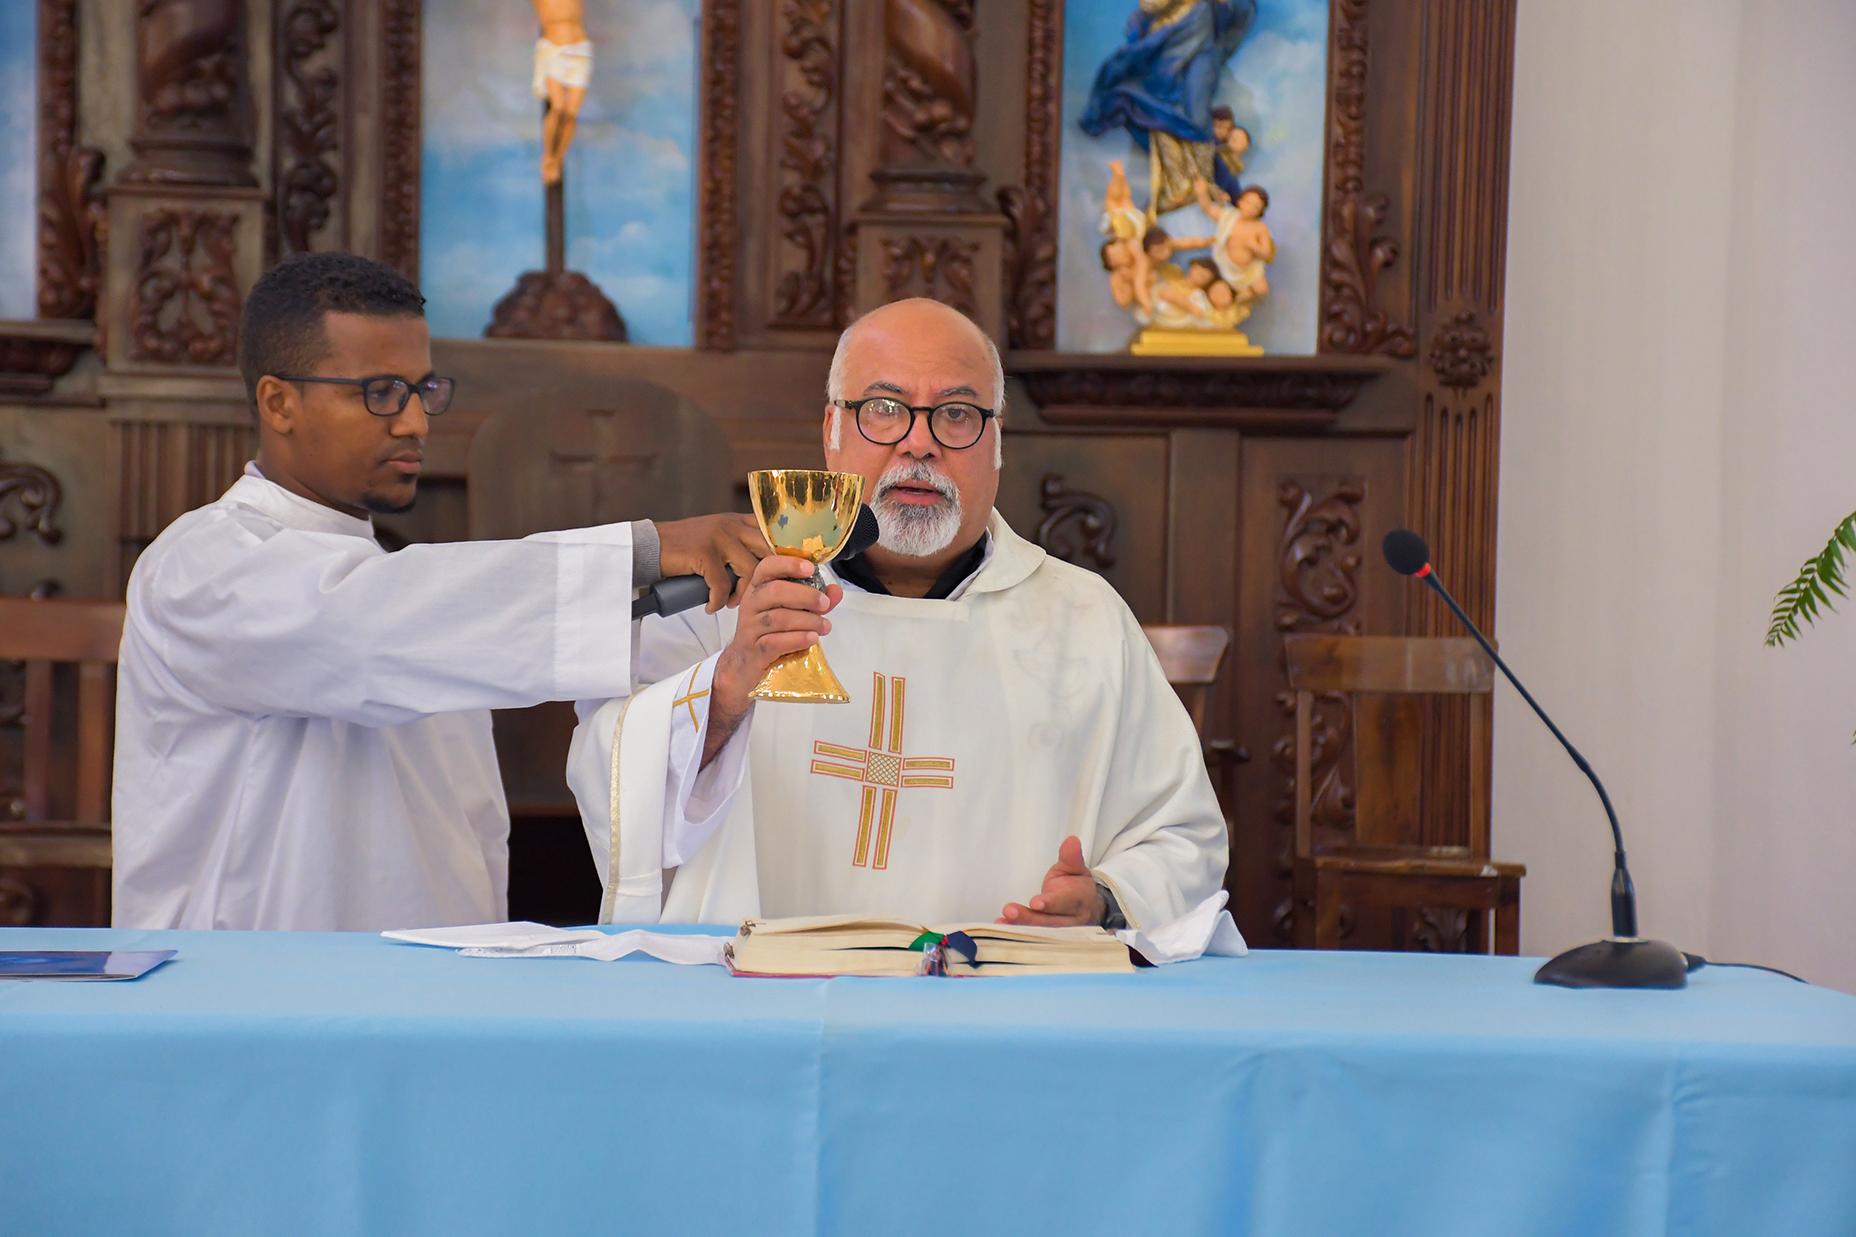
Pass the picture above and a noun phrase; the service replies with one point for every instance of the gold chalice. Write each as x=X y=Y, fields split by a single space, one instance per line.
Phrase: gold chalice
x=805 y=514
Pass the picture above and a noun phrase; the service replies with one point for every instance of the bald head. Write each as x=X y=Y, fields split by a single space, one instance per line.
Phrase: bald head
x=923 y=326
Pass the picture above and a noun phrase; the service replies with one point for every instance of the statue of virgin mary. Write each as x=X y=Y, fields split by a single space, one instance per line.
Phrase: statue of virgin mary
x=1159 y=85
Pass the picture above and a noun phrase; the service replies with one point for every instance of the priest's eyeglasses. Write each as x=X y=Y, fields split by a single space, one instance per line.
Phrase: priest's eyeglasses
x=387 y=395
x=886 y=421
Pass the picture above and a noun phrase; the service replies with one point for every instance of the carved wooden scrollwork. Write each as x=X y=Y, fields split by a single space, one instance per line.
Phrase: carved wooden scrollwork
x=1031 y=209
x=929 y=79
x=308 y=122
x=940 y=268
x=1438 y=929
x=1077 y=525
x=803 y=292
x=721 y=92
x=1461 y=352
x=1318 y=563
x=1353 y=256
x=846 y=265
x=37 y=492
x=70 y=214
x=400 y=129
x=185 y=304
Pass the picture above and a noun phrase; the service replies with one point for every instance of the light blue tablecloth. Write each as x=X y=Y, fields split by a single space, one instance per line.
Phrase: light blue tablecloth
x=339 y=1084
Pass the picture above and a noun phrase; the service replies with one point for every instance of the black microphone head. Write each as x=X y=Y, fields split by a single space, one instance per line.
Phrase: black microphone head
x=1406 y=552
x=864 y=534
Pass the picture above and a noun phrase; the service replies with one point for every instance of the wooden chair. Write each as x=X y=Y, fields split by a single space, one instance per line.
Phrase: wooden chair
x=1384 y=867
x=57 y=838
x=1190 y=657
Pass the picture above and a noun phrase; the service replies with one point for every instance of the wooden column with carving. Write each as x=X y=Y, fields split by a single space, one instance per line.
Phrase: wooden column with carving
x=1462 y=163
x=344 y=157
x=187 y=227
x=36 y=352
x=924 y=229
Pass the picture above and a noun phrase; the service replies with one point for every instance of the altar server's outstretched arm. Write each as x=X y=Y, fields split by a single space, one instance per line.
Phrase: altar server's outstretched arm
x=305 y=624
x=274 y=621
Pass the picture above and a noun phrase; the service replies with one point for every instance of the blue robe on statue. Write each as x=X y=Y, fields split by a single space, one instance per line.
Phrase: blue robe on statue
x=1164 y=79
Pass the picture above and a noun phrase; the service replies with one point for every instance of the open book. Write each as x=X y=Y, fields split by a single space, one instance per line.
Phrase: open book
x=860 y=945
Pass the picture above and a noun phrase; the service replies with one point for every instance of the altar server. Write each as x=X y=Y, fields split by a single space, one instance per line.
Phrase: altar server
x=1012 y=749
x=303 y=735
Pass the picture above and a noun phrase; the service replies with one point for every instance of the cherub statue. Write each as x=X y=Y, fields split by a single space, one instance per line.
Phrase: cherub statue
x=1182 y=303
x=1124 y=224
x=563 y=68
x=1231 y=142
x=1242 y=244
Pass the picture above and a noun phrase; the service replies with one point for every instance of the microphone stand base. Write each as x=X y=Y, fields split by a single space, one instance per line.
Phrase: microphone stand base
x=1616 y=962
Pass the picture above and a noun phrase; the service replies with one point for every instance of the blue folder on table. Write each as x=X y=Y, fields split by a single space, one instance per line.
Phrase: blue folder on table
x=81 y=963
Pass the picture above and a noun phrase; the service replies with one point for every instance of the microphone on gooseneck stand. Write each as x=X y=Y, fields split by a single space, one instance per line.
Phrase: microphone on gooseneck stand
x=680 y=593
x=1622 y=960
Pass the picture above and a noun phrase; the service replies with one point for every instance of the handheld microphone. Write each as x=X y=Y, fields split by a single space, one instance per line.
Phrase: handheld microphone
x=1623 y=960
x=680 y=593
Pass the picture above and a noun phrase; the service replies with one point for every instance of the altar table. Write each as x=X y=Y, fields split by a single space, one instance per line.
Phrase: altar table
x=279 y=1084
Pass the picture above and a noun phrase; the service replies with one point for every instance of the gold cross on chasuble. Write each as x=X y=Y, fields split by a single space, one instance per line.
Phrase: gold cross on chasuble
x=690 y=697
x=882 y=768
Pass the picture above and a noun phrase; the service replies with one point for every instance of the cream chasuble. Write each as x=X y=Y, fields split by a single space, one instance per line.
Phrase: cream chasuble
x=303 y=736
x=982 y=731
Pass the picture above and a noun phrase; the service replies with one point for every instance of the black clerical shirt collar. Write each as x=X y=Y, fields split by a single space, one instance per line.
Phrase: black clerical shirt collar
x=857 y=571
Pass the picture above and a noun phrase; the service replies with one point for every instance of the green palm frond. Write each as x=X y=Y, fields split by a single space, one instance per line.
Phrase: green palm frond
x=1799 y=601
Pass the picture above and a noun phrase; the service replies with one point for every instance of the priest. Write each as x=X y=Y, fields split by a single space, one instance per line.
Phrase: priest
x=303 y=727
x=1012 y=749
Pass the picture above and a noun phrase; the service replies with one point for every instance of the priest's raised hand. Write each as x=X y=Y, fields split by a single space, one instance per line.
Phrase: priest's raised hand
x=1070 y=895
x=303 y=727
x=779 y=615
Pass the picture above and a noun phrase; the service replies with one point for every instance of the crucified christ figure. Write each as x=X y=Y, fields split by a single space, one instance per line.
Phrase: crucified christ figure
x=563 y=67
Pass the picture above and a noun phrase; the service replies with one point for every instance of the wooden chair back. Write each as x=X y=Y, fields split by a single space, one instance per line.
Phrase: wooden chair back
x=47 y=633
x=1388 y=678
x=1191 y=657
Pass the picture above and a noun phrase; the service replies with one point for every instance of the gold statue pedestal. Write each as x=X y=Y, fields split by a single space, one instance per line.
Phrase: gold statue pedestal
x=1159 y=341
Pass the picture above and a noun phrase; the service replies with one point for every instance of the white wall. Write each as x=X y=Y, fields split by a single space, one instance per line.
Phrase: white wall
x=1679 y=431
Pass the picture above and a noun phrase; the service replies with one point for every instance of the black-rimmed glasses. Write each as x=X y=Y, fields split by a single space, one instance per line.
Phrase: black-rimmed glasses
x=387 y=395
x=886 y=421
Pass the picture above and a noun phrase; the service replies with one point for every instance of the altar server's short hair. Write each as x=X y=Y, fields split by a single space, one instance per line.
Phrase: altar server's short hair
x=281 y=332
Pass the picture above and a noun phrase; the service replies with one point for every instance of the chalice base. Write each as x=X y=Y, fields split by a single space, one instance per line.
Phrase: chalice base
x=801 y=678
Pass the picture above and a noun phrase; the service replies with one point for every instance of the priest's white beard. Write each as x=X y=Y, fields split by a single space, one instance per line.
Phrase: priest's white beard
x=913 y=531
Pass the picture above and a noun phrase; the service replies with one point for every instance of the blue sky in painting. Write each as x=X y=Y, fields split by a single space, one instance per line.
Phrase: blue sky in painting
x=1276 y=85
x=630 y=170
x=19 y=179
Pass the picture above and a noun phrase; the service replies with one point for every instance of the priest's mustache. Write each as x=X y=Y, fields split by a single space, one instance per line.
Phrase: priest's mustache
x=918 y=471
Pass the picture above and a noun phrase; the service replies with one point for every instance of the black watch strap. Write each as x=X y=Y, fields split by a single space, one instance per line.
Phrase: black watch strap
x=1112 y=918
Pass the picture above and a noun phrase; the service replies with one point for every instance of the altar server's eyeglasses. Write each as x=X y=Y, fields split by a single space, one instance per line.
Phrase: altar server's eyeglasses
x=886 y=421
x=387 y=395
